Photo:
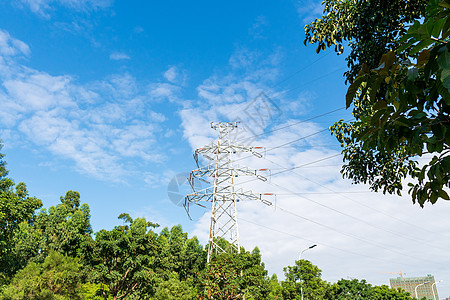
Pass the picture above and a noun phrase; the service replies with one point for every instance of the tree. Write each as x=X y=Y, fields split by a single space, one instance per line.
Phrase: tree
x=370 y=27
x=58 y=277
x=179 y=254
x=123 y=259
x=174 y=289
x=306 y=275
x=66 y=227
x=235 y=276
x=399 y=90
x=17 y=211
x=384 y=292
x=359 y=289
x=276 y=290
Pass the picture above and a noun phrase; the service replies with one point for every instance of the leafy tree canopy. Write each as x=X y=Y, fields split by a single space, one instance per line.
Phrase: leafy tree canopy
x=400 y=83
x=307 y=276
x=66 y=227
x=359 y=289
x=57 y=278
x=123 y=260
x=17 y=210
x=235 y=276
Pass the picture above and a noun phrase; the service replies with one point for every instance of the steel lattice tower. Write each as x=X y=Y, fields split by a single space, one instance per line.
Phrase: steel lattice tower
x=223 y=194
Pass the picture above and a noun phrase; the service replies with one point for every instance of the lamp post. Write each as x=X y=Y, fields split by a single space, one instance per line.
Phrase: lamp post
x=300 y=269
x=415 y=289
x=434 y=294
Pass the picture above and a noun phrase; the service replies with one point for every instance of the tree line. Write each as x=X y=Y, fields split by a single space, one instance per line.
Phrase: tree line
x=54 y=254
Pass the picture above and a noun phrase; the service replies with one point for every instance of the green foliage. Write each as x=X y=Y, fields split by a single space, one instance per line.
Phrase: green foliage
x=235 y=276
x=306 y=275
x=52 y=255
x=174 y=289
x=384 y=292
x=57 y=278
x=399 y=89
x=92 y=291
x=370 y=28
x=179 y=254
x=355 y=290
x=276 y=290
x=65 y=228
x=16 y=213
x=3 y=170
x=123 y=260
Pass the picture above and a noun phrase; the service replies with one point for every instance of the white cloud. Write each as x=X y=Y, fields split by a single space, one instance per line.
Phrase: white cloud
x=171 y=74
x=10 y=46
x=101 y=126
x=162 y=91
x=358 y=233
x=119 y=56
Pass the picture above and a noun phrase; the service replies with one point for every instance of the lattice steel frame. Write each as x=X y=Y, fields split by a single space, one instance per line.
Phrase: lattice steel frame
x=222 y=194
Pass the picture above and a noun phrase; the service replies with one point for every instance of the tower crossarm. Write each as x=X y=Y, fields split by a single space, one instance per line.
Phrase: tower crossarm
x=211 y=170
x=240 y=195
x=211 y=150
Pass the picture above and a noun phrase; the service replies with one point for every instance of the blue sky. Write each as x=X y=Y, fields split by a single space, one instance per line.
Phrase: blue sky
x=110 y=98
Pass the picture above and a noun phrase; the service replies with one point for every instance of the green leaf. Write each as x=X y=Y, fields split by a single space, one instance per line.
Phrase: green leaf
x=405 y=45
x=446 y=29
x=419 y=115
x=445 y=78
x=420 y=46
x=412 y=74
x=446 y=163
x=381 y=104
x=375 y=87
x=444 y=3
x=443 y=194
x=423 y=57
x=352 y=89
x=443 y=58
x=437 y=28
x=388 y=59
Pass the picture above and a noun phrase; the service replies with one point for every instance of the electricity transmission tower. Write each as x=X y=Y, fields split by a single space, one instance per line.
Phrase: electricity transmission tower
x=223 y=193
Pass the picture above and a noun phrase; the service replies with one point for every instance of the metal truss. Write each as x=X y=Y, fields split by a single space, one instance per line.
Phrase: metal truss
x=222 y=193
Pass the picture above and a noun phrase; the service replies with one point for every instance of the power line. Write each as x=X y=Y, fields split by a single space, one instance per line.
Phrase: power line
x=289 y=143
x=318 y=78
x=348 y=198
x=324 y=193
x=293 y=124
x=320 y=243
x=351 y=235
x=302 y=69
x=295 y=167
x=297 y=72
x=358 y=219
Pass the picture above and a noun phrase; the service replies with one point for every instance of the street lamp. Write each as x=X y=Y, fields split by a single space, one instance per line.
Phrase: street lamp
x=300 y=268
x=434 y=295
x=415 y=289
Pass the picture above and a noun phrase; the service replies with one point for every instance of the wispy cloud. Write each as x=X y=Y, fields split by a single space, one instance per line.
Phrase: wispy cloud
x=43 y=7
x=309 y=10
x=10 y=46
x=99 y=125
x=171 y=74
x=257 y=30
x=119 y=56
